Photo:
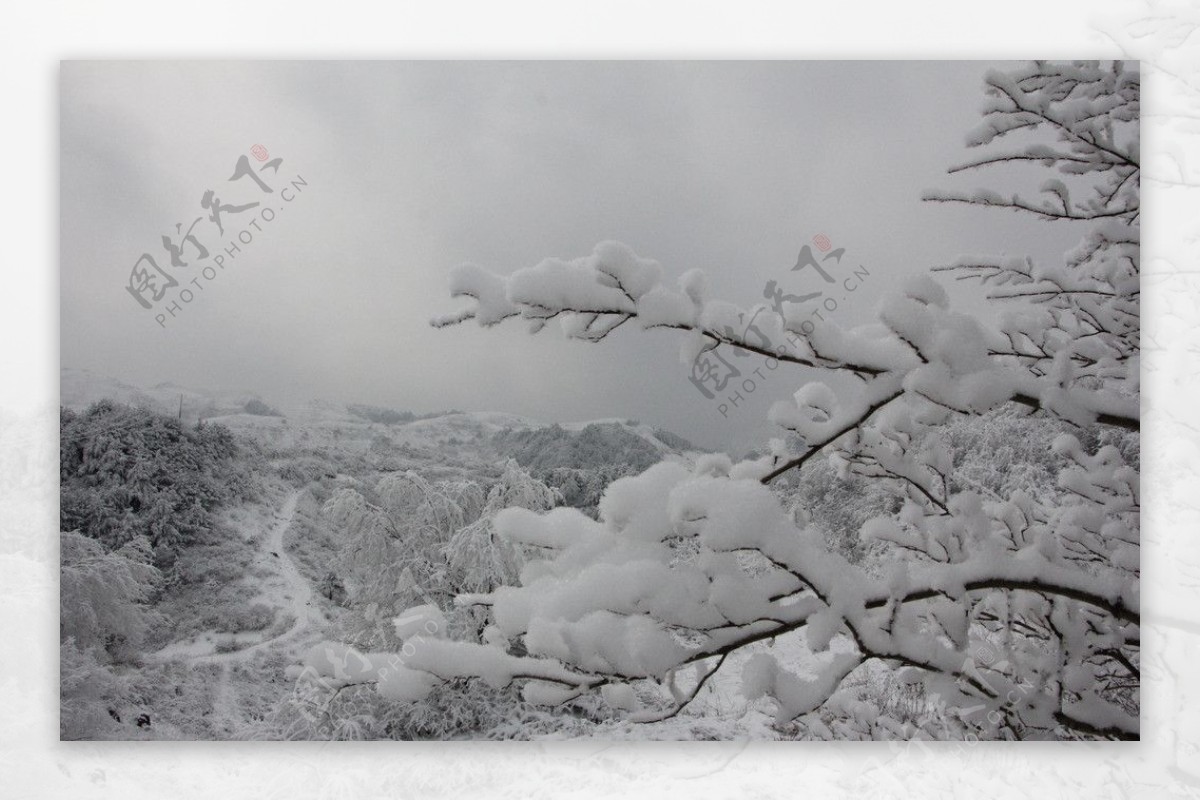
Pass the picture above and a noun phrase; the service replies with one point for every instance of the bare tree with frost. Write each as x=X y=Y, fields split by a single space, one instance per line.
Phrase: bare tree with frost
x=686 y=567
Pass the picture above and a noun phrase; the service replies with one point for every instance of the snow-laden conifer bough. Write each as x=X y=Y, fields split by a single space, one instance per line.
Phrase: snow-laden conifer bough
x=684 y=566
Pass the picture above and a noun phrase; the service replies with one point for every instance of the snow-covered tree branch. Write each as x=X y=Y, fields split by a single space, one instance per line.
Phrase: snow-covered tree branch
x=688 y=565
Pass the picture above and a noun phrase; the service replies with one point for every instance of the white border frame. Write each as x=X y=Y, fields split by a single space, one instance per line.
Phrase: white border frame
x=36 y=35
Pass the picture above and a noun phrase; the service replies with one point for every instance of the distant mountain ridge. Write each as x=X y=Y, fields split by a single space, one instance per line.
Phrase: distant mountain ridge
x=534 y=444
x=79 y=389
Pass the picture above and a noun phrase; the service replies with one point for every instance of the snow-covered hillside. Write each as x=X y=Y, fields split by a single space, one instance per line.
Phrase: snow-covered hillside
x=262 y=574
x=80 y=388
x=321 y=424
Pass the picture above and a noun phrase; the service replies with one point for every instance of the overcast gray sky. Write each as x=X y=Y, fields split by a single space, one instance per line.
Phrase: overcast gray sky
x=415 y=167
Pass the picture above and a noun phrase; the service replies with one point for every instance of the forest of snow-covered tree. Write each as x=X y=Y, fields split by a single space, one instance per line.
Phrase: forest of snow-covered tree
x=943 y=541
x=203 y=553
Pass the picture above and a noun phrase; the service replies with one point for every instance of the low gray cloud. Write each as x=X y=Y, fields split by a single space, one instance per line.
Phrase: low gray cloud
x=413 y=168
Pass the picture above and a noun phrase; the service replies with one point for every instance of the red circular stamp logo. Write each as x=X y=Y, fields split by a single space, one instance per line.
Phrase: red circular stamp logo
x=822 y=242
x=259 y=152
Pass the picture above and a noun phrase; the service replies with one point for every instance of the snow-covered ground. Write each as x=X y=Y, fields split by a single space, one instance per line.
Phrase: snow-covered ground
x=282 y=589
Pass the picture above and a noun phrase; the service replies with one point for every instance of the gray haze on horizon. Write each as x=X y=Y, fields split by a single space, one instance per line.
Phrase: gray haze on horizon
x=413 y=168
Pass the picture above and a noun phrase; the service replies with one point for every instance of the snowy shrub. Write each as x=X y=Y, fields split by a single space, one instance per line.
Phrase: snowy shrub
x=301 y=471
x=477 y=559
x=332 y=588
x=256 y=407
x=104 y=618
x=90 y=695
x=227 y=645
x=127 y=473
x=409 y=540
x=581 y=488
x=597 y=445
x=255 y=617
x=454 y=709
x=103 y=596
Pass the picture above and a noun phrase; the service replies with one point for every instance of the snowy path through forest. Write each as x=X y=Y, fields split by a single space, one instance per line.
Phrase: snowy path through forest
x=287 y=591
